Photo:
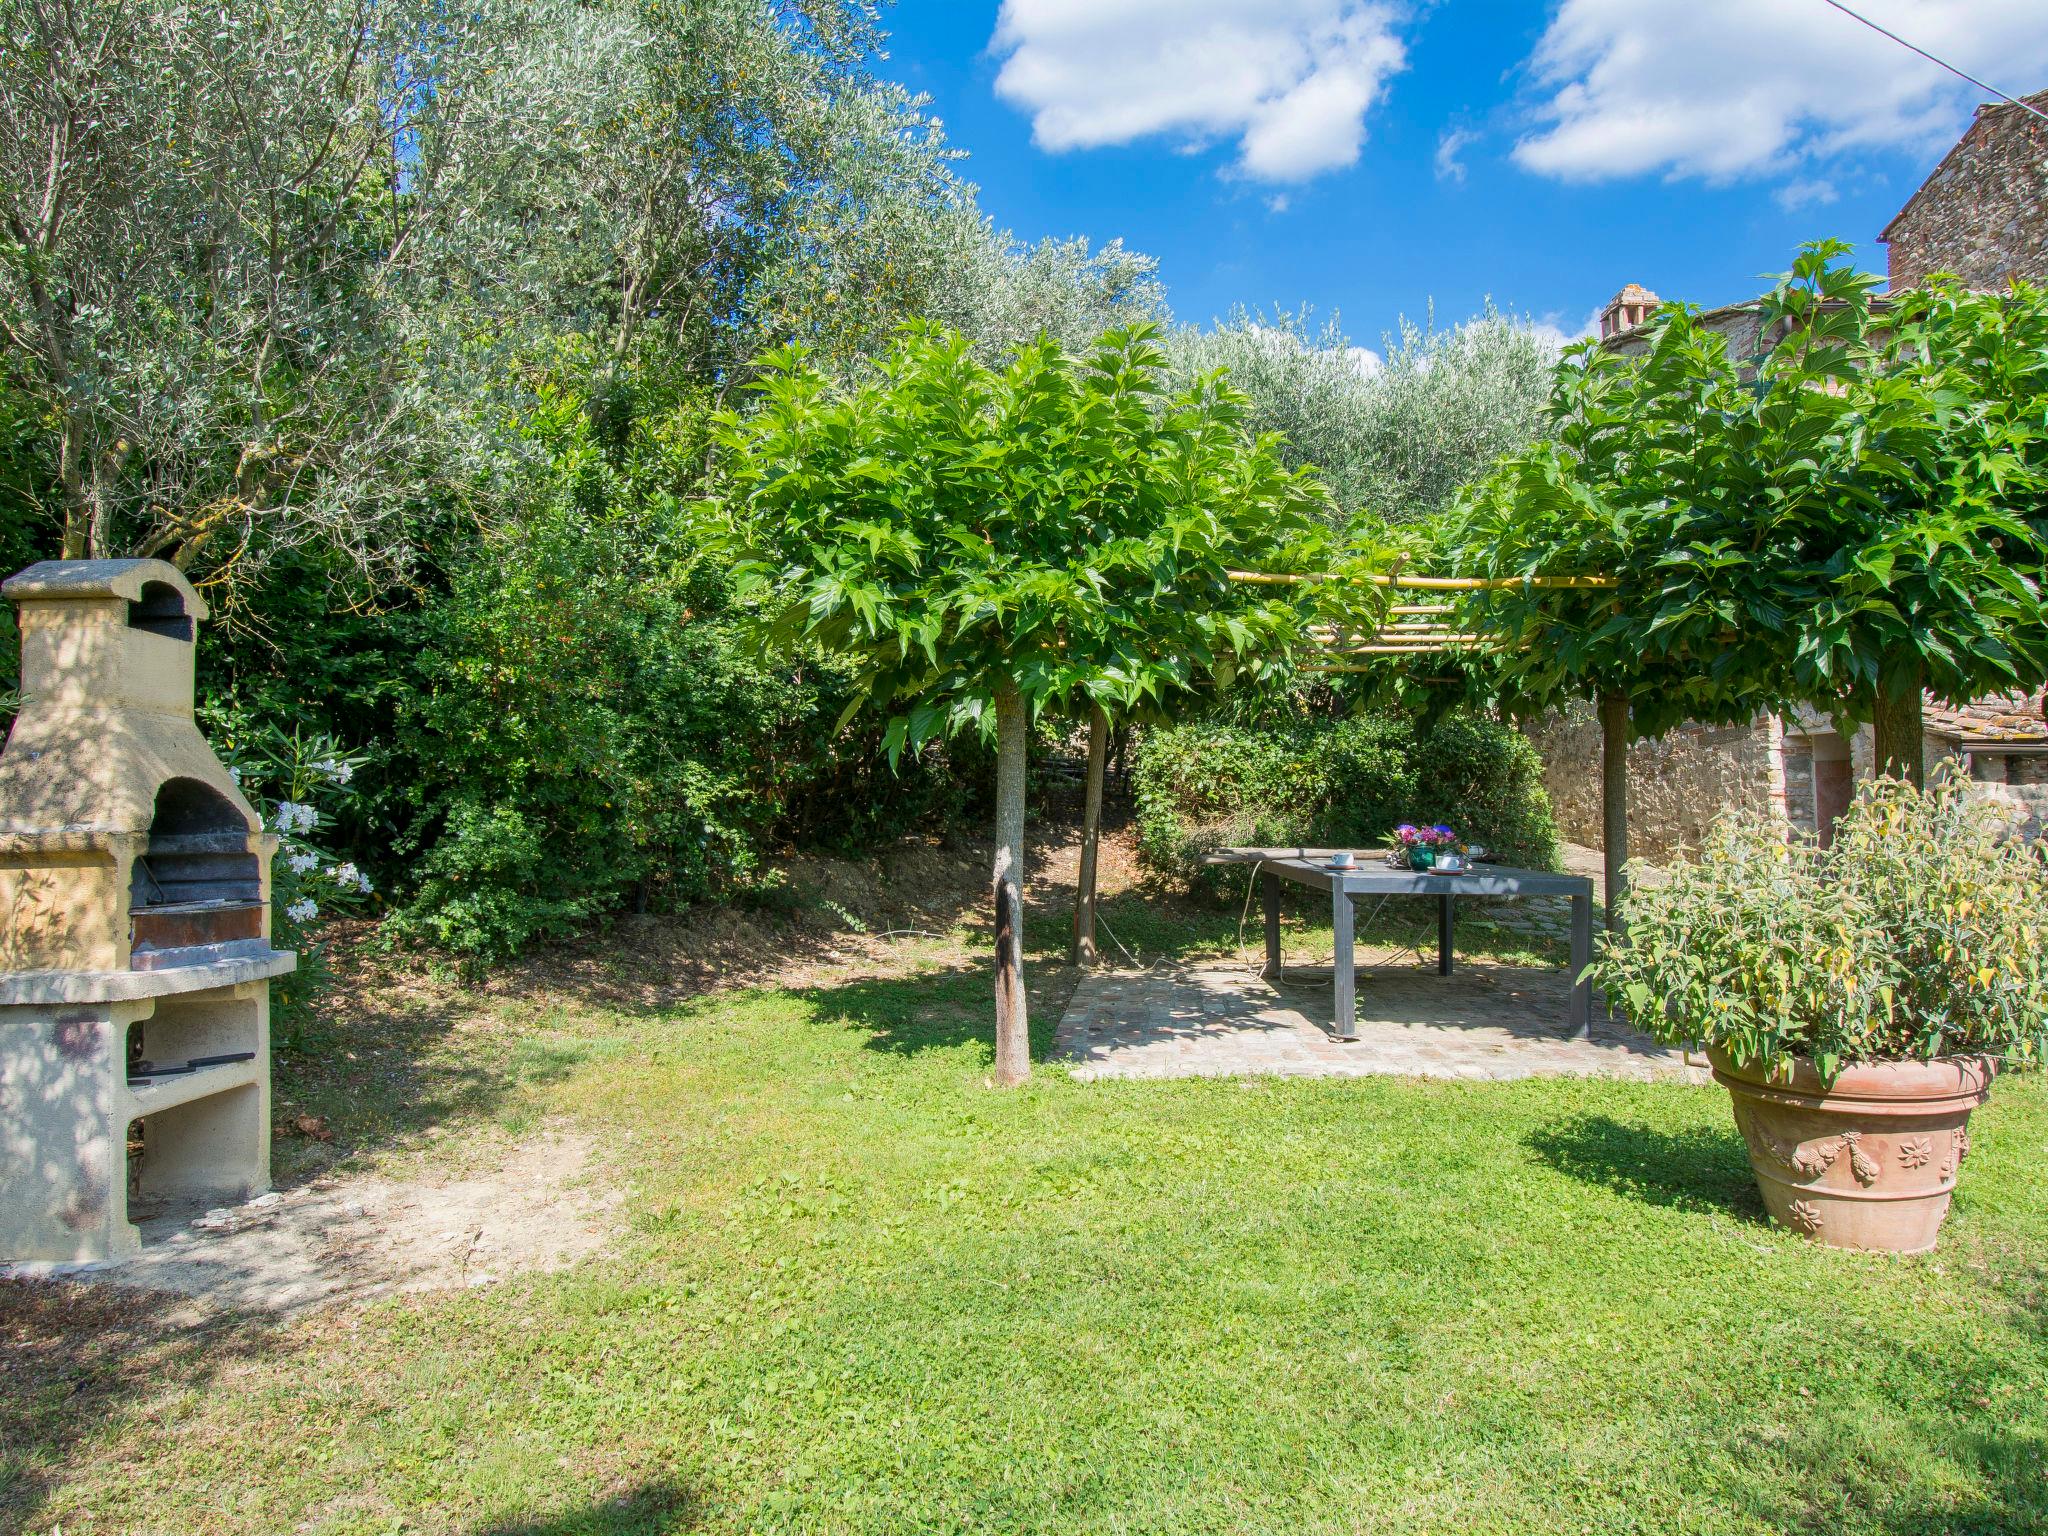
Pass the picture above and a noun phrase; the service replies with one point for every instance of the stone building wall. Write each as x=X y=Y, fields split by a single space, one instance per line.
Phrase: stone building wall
x=1677 y=785
x=1983 y=214
x=1680 y=784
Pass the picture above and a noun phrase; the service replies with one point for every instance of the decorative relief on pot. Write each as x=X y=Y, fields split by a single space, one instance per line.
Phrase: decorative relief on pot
x=1958 y=1149
x=1915 y=1151
x=1804 y=1216
x=1813 y=1158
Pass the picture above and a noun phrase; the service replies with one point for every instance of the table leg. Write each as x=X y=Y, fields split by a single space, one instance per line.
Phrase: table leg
x=1345 y=1002
x=1443 y=935
x=1580 y=1015
x=1269 y=893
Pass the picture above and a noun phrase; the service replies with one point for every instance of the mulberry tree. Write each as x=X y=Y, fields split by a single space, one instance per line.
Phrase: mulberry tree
x=989 y=543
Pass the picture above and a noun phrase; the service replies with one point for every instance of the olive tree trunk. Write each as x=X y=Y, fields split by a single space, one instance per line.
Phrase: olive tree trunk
x=1082 y=951
x=1901 y=751
x=1013 y=1030
x=1614 y=800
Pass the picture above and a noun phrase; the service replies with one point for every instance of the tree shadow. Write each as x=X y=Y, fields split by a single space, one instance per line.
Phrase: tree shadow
x=385 y=1065
x=943 y=1009
x=1690 y=1170
x=660 y=1507
x=75 y=1358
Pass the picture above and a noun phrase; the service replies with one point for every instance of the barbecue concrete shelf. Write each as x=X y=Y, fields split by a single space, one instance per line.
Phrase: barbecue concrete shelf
x=159 y=1094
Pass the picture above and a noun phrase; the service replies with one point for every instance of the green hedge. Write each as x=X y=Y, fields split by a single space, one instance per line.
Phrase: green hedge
x=1338 y=783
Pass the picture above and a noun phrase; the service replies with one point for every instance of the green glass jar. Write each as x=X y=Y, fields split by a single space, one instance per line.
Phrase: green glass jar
x=1421 y=857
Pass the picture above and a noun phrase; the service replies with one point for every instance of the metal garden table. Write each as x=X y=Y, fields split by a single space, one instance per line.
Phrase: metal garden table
x=1311 y=867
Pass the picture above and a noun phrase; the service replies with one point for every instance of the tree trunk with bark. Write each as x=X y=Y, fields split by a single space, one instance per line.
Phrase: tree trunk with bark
x=1895 y=721
x=1082 y=951
x=1614 y=800
x=1013 y=1029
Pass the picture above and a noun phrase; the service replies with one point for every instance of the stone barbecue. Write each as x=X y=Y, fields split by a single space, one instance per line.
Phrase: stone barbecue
x=135 y=957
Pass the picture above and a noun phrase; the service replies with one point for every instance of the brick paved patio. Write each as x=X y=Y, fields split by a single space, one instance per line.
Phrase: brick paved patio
x=1487 y=1022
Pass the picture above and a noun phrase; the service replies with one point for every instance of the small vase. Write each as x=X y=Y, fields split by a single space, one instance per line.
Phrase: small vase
x=1421 y=857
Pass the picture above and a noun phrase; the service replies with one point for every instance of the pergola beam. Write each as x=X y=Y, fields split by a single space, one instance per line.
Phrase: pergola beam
x=1425 y=583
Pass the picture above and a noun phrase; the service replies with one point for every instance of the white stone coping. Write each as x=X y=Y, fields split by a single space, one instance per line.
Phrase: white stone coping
x=18 y=988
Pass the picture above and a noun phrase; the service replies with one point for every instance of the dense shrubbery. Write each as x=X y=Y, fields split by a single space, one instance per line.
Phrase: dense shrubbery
x=592 y=728
x=1337 y=782
x=455 y=534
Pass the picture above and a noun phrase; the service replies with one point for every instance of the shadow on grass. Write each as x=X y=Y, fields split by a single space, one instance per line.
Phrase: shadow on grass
x=943 y=1009
x=75 y=1362
x=1690 y=1170
x=387 y=1064
x=657 y=1508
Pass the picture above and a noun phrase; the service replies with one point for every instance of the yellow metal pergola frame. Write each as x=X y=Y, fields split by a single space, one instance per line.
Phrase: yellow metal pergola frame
x=1420 y=629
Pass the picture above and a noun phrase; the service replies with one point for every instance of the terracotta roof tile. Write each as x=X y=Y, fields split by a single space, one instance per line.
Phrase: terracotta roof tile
x=1996 y=717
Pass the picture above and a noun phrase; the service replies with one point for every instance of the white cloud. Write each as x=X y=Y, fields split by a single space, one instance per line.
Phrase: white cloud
x=1290 y=80
x=1279 y=202
x=1746 y=87
x=1556 y=332
x=1365 y=360
x=1806 y=192
x=1448 y=148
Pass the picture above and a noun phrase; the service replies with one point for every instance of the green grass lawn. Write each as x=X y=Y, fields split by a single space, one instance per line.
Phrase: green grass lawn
x=864 y=1292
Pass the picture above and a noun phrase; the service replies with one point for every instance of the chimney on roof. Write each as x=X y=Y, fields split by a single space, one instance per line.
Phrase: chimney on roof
x=1627 y=310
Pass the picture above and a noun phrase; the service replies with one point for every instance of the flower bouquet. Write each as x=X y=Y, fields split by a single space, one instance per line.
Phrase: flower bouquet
x=1421 y=846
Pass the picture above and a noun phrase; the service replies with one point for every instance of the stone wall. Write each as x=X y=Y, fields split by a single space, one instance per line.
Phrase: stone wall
x=1677 y=785
x=2016 y=782
x=1983 y=214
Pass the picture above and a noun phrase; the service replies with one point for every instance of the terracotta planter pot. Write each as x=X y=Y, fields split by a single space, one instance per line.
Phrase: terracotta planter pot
x=1870 y=1160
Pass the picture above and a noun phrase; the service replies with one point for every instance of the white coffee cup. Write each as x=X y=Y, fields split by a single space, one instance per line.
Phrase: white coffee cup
x=1342 y=860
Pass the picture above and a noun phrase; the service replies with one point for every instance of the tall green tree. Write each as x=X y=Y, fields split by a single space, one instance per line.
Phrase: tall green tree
x=987 y=543
x=275 y=273
x=1851 y=517
x=1394 y=432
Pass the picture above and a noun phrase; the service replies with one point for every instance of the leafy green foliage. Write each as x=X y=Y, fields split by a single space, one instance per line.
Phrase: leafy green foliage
x=1342 y=782
x=269 y=271
x=1860 y=505
x=1916 y=934
x=589 y=724
x=1061 y=527
x=1394 y=436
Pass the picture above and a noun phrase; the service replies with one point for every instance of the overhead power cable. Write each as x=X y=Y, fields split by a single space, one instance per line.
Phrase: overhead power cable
x=1930 y=58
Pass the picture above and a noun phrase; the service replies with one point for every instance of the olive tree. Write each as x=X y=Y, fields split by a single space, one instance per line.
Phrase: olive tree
x=275 y=273
x=989 y=542
x=1396 y=432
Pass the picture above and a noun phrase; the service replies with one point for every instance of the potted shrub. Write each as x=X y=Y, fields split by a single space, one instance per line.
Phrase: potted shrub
x=1855 y=1000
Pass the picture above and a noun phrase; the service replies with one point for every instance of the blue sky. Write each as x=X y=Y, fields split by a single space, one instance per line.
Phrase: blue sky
x=1369 y=157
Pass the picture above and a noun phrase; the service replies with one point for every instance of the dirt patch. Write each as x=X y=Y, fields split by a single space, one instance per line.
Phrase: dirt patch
x=353 y=1239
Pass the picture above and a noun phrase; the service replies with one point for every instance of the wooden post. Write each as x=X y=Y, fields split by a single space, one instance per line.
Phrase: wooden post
x=1013 y=1029
x=1082 y=951
x=1895 y=721
x=1614 y=799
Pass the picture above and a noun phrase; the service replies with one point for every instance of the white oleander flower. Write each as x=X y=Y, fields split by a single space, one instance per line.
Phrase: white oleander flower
x=294 y=817
x=348 y=874
x=301 y=862
x=304 y=910
x=236 y=775
x=337 y=770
